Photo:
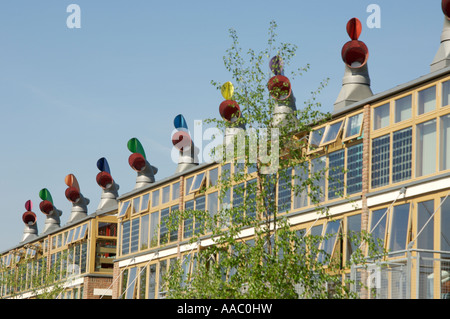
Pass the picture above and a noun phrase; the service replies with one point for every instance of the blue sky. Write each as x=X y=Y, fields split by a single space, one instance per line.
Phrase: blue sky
x=71 y=96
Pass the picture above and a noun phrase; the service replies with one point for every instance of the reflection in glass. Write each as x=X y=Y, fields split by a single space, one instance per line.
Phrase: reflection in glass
x=426 y=148
x=426 y=100
x=381 y=116
x=399 y=228
x=403 y=108
x=353 y=126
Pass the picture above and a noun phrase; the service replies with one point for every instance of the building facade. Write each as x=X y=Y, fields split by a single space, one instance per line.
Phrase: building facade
x=394 y=147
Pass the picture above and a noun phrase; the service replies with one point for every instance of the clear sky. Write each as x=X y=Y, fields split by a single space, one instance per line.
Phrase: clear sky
x=71 y=96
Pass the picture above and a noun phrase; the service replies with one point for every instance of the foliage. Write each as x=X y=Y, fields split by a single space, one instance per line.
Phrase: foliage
x=256 y=252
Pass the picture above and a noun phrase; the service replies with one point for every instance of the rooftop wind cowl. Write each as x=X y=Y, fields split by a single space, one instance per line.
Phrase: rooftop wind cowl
x=79 y=202
x=29 y=218
x=356 y=81
x=106 y=182
x=230 y=112
x=138 y=162
x=442 y=58
x=181 y=139
x=280 y=89
x=52 y=221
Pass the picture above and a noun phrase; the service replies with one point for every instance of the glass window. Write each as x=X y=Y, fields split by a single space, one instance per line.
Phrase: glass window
x=353 y=234
x=199 y=222
x=69 y=237
x=426 y=148
x=142 y=282
x=378 y=228
x=251 y=198
x=329 y=241
x=124 y=208
x=165 y=194
x=125 y=237
x=163 y=229
x=152 y=281
x=197 y=183
x=318 y=166
x=84 y=228
x=380 y=161
x=162 y=274
x=381 y=116
x=238 y=201
x=131 y=284
x=188 y=185
x=284 y=190
x=213 y=202
x=353 y=126
x=173 y=236
x=354 y=168
x=445 y=93
x=144 y=232
x=213 y=176
x=188 y=227
x=401 y=155
x=424 y=212
x=300 y=189
x=175 y=190
x=77 y=233
x=403 y=108
x=154 y=227
x=399 y=228
x=444 y=143
x=136 y=203
x=316 y=233
x=155 y=198
x=316 y=137
x=445 y=225
x=144 y=203
x=134 y=244
x=426 y=100
x=332 y=132
x=336 y=174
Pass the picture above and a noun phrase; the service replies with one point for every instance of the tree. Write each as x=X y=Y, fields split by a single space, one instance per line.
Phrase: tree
x=277 y=261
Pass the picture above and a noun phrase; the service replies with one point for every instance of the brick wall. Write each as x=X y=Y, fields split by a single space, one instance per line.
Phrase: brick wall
x=91 y=283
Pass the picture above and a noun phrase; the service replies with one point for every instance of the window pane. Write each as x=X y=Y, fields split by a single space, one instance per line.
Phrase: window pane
x=426 y=148
x=125 y=237
x=401 y=155
x=424 y=212
x=380 y=161
x=445 y=93
x=134 y=245
x=238 y=201
x=176 y=191
x=331 y=232
x=174 y=215
x=444 y=143
x=354 y=168
x=199 y=222
x=300 y=190
x=213 y=175
x=426 y=100
x=198 y=182
x=318 y=174
x=284 y=190
x=378 y=227
x=136 y=203
x=332 y=132
x=403 y=109
x=381 y=116
x=353 y=232
x=144 y=202
x=131 y=284
x=316 y=137
x=188 y=185
x=154 y=227
x=155 y=198
x=336 y=174
x=399 y=227
x=163 y=229
x=162 y=274
x=316 y=233
x=445 y=225
x=353 y=126
x=124 y=208
x=251 y=198
x=165 y=194
x=188 y=222
x=213 y=204
x=144 y=232
x=152 y=281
